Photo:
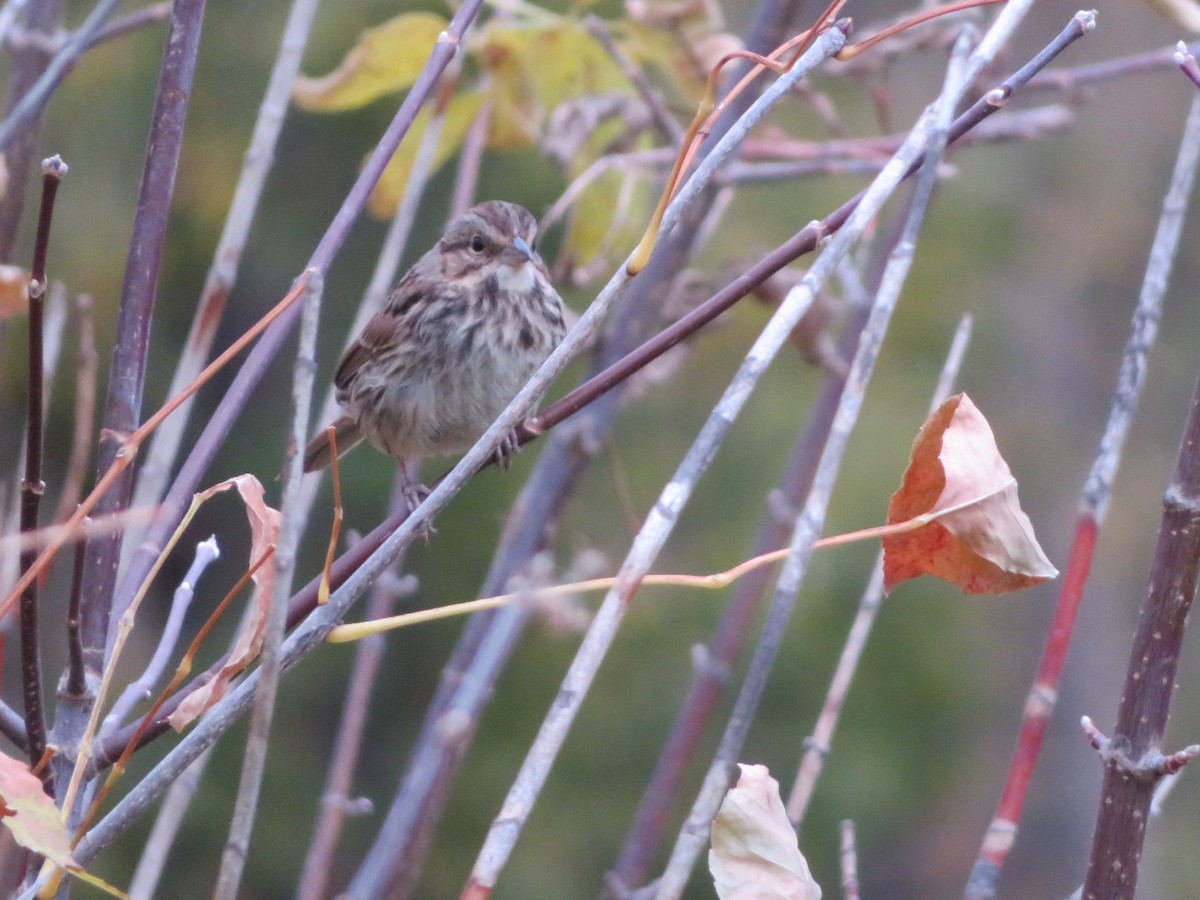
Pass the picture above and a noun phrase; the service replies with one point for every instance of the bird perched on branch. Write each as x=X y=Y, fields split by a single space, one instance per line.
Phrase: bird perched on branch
x=457 y=338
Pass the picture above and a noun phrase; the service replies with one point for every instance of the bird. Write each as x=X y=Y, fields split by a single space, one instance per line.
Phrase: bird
x=457 y=337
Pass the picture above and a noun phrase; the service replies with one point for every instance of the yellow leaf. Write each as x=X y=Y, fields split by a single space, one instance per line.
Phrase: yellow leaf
x=533 y=68
x=386 y=59
x=608 y=217
x=460 y=113
x=1185 y=13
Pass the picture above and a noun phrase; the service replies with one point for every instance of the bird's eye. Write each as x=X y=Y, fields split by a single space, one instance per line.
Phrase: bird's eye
x=478 y=244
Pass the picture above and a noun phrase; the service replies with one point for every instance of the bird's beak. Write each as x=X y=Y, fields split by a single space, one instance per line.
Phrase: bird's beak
x=518 y=252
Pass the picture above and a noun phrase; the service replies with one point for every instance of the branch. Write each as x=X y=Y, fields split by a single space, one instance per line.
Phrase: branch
x=128 y=370
x=32 y=485
x=32 y=101
x=29 y=62
x=222 y=273
x=927 y=141
x=1097 y=492
x=292 y=522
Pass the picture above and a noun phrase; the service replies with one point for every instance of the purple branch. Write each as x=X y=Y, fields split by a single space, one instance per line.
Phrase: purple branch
x=76 y=673
x=32 y=486
x=1133 y=757
x=127 y=375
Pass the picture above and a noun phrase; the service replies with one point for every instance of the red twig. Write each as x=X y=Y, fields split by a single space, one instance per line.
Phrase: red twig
x=1039 y=705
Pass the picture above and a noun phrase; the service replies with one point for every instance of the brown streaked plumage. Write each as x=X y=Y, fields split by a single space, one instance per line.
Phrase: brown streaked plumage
x=456 y=339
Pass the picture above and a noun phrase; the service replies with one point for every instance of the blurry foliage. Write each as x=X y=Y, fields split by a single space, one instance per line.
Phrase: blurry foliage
x=1045 y=243
x=524 y=68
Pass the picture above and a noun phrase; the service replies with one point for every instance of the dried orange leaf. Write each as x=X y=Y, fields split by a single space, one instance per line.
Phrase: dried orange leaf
x=754 y=853
x=386 y=59
x=14 y=291
x=975 y=534
x=264 y=534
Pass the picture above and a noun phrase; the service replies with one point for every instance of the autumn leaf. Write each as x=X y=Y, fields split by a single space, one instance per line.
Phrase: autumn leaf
x=35 y=822
x=972 y=530
x=14 y=291
x=264 y=534
x=386 y=59
x=754 y=853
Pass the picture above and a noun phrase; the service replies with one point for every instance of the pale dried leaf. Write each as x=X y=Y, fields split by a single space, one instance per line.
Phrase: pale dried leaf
x=755 y=855
x=264 y=534
x=979 y=539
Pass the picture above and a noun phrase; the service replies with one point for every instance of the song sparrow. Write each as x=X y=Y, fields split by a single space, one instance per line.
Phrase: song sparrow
x=457 y=338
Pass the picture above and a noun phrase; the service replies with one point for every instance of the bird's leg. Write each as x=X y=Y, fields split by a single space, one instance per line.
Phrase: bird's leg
x=507 y=449
x=414 y=492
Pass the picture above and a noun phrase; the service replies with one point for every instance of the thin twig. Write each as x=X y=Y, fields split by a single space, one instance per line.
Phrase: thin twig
x=849 y=858
x=233 y=859
x=817 y=746
x=1133 y=758
x=222 y=273
x=928 y=141
x=207 y=552
x=32 y=485
x=1187 y=63
x=470 y=160
x=1097 y=492
x=336 y=796
x=76 y=673
x=29 y=62
x=85 y=409
x=33 y=100
x=166 y=826
x=668 y=128
x=126 y=24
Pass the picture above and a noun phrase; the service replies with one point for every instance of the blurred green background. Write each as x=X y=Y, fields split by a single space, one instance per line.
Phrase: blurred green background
x=1044 y=243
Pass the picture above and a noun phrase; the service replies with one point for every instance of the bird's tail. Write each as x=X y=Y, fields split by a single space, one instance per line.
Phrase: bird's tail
x=319 y=453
